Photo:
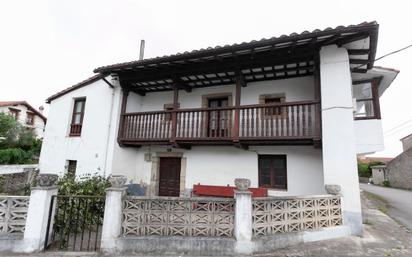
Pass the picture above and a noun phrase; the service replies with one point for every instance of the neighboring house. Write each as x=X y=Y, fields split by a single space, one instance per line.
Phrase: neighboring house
x=26 y=115
x=379 y=174
x=289 y=113
x=399 y=170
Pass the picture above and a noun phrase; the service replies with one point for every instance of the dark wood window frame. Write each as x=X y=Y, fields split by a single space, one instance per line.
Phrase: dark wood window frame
x=14 y=112
x=375 y=98
x=30 y=118
x=76 y=128
x=274 y=181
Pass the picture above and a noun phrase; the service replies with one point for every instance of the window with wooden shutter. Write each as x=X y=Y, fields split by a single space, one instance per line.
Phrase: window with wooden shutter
x=77 y=117
x=272 y=171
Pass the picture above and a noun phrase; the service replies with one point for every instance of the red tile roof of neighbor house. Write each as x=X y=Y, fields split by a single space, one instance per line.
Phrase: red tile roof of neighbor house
x=375 y=159
x=28 y=106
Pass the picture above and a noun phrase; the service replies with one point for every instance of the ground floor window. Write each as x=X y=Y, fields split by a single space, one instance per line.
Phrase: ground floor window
x=71 y=167
x=272 y=171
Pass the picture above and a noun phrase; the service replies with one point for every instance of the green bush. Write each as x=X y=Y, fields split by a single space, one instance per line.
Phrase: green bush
x=364 y=170
x=86 y=210
x=84 y=185
x=15 y=156
x=18 y=144
x=386 y=183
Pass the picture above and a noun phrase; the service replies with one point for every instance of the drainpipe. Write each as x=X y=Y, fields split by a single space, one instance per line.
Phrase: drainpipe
x=109 y=125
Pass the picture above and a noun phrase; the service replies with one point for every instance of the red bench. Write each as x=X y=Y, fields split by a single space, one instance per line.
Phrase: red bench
x=225 y=191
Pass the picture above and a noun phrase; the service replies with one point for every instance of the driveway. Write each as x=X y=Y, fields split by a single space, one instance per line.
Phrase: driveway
x=399 y=202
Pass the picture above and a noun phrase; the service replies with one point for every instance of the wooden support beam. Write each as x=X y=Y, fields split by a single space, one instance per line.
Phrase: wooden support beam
x=358 y=61
x=122 y=112
x=174 y=113
x=358 y=51
x=240 y=81
x=182 y=85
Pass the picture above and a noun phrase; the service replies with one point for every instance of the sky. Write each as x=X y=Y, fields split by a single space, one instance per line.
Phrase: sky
x=46 y=46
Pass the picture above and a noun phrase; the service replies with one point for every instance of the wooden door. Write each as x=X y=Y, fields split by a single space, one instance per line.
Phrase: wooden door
x=217 y=126
x=169 y=177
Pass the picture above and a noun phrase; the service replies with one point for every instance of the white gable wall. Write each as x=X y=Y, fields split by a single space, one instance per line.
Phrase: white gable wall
x=96 y=150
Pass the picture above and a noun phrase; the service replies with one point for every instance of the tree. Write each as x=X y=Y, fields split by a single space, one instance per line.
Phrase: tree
x=18 y=144
x=8 y=126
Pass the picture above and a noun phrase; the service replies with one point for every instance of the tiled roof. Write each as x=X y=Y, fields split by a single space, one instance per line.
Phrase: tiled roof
x=14 y=103
x=253 y=43
x=74 y=87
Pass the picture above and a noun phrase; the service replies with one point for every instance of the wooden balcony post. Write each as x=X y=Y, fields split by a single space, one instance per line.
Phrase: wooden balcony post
x=122 y=112
x=174 y=112
x=240 y=81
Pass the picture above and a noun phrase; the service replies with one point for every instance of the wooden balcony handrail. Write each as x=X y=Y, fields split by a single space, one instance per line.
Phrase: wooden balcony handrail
x=291 y=120
x=226 y=108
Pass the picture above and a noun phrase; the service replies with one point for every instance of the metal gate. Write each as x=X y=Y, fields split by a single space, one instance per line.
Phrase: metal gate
x=75 y=223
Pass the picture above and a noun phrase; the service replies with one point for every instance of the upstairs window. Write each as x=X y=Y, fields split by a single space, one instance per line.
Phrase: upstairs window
x=271 y=111
x=77 y=117
x=30 y=118
x=366 y=100
x=272 y=171
x=15 y=113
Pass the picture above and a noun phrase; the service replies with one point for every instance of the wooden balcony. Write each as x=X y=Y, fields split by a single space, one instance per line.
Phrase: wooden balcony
x=293 y=123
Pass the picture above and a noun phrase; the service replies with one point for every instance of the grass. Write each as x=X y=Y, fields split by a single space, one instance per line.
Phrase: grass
x=378 y=200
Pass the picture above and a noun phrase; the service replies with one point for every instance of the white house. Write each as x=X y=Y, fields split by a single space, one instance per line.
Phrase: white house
x=290 y=113
x=26 y=115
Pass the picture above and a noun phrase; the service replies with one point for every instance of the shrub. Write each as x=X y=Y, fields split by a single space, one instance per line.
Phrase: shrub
x=364 y=170
x=386 y=183
x=84 y=185
x=14 y=156
x=71 y=211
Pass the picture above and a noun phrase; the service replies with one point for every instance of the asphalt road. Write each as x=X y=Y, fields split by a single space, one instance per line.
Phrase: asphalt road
x=399 y=202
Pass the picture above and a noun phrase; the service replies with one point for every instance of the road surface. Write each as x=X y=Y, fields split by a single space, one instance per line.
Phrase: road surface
x=399 y=202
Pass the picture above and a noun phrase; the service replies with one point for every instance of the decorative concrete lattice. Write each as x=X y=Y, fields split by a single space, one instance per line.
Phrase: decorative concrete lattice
x=13 y=214
x=209 y=217
x=277 y=215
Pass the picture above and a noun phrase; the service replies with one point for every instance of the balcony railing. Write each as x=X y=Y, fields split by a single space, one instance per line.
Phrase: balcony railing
x=286 y=121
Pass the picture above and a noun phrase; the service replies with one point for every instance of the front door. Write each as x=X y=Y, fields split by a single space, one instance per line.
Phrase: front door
x=169 y=177
x=218 y=119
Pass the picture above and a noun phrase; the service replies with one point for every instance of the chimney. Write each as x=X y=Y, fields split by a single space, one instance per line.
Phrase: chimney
x=141 y=54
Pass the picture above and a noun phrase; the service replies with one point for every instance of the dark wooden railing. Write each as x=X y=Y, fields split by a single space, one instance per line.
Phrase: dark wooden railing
x=294 y=120
x=75 y=129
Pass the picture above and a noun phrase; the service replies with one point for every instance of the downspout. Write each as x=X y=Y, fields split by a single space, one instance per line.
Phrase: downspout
x=109 y=125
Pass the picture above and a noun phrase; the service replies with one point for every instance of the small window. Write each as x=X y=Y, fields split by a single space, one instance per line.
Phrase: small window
x=274 y=111
x=77 y=117
x=272 y=171
x=367 y=100
x=15 y=113
x=30 y=118
x=71 y=167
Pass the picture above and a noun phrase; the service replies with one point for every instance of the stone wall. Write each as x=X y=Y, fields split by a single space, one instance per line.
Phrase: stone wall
x=400 y=170
x=15 y=179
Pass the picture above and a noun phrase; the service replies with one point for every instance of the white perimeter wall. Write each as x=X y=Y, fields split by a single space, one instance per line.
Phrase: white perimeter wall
x=220 y=165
